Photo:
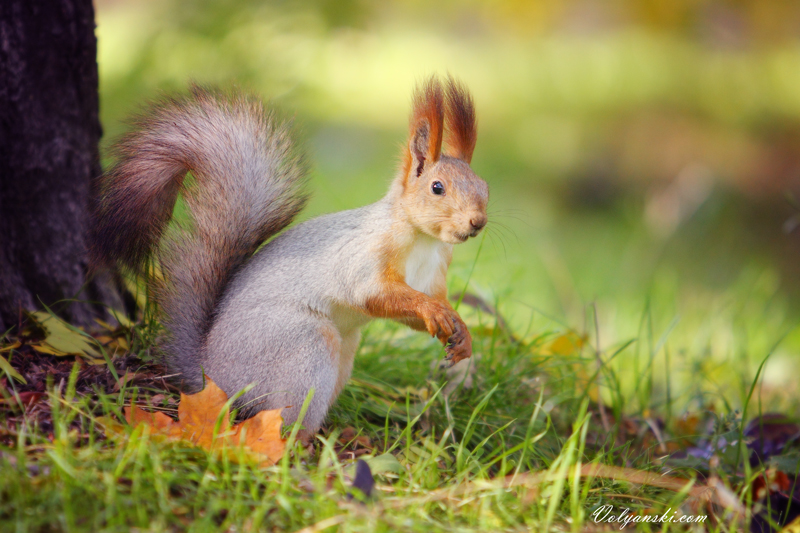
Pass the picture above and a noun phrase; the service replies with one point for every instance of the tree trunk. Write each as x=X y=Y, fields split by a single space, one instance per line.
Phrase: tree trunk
x=49 y=135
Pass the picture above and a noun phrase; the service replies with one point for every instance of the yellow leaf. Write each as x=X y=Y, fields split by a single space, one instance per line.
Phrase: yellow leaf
x=10 y=347
x=567 y=344
x=122 y=343
x=61 y=338
x=123 y=320
x=44 y=348
x=6 y=367
x=792 y=527
x=111 y=427
x=105 y=324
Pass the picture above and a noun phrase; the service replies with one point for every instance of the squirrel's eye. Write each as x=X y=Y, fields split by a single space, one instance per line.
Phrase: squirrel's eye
x=437 y=188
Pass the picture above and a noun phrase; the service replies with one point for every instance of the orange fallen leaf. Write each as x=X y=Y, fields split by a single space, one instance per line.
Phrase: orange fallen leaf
x=262 y=434
x=157 y=420
x=198 y=415
x=197 y=420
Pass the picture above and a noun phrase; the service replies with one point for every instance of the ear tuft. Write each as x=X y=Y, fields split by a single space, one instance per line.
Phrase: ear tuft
x=426 y=127
x=462 y=132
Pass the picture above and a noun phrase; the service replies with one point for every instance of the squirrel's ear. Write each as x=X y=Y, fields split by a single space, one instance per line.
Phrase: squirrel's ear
x=418 y=146
x=462 y=132
x=426 y=128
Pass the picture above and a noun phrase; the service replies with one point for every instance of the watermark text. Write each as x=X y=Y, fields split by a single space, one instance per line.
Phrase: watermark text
x=606 y=514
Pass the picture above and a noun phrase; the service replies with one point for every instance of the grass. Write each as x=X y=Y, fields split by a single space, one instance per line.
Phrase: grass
x=448 y=453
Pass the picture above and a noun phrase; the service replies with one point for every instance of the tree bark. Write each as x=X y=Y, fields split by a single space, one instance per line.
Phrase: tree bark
x=49 y=135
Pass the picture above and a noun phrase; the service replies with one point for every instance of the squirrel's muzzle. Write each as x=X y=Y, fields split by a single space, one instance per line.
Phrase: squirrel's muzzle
x=477 y=223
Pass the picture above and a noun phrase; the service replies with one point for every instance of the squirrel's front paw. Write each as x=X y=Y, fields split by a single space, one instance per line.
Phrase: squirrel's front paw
x=438 y=320
x=459 y=345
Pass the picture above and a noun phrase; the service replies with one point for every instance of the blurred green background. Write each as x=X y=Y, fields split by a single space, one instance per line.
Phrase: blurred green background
x=643 y=155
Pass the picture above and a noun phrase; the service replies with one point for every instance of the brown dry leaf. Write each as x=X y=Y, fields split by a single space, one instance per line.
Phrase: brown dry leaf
x=262 y=434
x=156 y=420
x=121 y=382
x=198 y=414
x=349 y=436
x=197 y=419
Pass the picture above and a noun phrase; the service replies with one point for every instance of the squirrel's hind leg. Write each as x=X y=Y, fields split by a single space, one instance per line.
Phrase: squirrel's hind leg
x=283 y=360
x=314 y=365
x=347 y=353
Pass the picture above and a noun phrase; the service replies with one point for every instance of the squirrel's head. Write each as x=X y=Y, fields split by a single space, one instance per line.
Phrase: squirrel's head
x=442 y=196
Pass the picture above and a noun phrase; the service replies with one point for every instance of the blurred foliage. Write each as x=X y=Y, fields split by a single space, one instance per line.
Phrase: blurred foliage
x=638 y=152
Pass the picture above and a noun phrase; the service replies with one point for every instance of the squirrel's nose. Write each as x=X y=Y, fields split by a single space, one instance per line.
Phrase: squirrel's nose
x=477 y=223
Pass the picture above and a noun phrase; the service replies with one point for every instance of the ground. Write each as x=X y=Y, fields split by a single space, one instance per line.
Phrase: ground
x=516 y=441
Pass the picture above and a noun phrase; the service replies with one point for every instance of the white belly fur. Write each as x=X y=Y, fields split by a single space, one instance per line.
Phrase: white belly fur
x=425 y=263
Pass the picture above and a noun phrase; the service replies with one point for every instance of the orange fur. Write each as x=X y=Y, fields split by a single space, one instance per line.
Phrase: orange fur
x=427 y=109
x=332 y=341
x=398 y=301
x=462 y=132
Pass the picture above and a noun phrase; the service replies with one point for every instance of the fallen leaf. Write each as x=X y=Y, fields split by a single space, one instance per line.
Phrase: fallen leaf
x=49 y=350
x=349 y=436
x=262 y=434
x=121 y=382
x=23 y=399
x=105 y=324
x=10 y=347
x=61 y=339
x=567 y=344
x=198 y=415
x=123 y=320
x=385 y=463
x=122 y=343
x=6 y=367
x=792 y=527
x=29 y=398
x=133 y=377
x=770 y=433
x=157 y=420
x=770 y=482
x=157 y=399
x=688 y=425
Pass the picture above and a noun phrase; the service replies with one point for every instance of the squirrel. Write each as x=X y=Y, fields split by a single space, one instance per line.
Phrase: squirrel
x=284 y=317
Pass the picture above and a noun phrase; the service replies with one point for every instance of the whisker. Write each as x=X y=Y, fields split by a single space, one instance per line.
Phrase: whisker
x=494 y=237
x=506 y=231
x=514 y=217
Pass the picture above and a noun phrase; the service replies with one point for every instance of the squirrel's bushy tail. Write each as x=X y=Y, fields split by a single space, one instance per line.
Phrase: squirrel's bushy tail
x=247 y=186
